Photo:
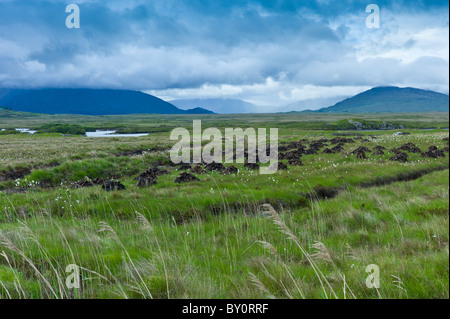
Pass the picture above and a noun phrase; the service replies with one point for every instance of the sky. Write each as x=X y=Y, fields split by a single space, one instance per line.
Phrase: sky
x=270 y=53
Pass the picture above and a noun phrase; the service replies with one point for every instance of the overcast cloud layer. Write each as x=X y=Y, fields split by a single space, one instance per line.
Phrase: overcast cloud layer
x=270 y=53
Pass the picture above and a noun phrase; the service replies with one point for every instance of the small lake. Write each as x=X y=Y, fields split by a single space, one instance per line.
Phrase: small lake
x=100 y=133
x=25 y=130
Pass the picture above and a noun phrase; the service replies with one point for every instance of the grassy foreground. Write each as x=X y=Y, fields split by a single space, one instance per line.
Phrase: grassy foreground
x=316 y=252
x=242 y=235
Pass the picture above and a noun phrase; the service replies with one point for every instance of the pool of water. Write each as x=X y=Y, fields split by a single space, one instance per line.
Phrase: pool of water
x=100 y=133
x=25 y=130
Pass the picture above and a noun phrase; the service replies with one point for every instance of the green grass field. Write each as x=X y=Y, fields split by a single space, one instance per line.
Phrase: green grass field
x=305 y=232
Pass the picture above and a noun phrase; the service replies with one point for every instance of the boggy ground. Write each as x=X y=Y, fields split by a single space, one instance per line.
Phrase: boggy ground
x=297 y=233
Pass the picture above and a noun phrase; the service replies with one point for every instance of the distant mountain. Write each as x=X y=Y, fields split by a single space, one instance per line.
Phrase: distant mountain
x=223 y=106
x=309 y=105
x=198 y=110
x=392 y=100
x=87 y=102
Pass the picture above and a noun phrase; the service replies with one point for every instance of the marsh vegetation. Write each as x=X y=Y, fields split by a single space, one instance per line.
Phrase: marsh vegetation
x=342 y=200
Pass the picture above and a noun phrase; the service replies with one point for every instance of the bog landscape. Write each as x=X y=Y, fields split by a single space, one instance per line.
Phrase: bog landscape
x=139 y=226
x=224 y=150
